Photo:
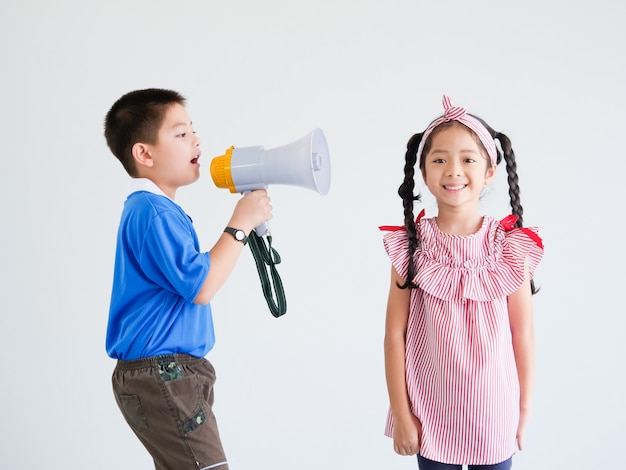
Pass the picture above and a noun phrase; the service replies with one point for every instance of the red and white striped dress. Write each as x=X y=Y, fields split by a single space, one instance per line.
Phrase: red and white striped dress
x=460 y=368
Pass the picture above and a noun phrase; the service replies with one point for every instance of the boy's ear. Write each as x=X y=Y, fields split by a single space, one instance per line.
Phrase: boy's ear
x=141 y=154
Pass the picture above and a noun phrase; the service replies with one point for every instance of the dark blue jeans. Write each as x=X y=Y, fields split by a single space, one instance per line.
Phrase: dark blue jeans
x=425 y=464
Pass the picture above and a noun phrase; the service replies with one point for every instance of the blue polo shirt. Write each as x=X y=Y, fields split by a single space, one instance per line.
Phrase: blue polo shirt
x=159 y=271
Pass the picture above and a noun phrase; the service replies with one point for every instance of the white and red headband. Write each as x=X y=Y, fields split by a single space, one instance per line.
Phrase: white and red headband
x=456 y=113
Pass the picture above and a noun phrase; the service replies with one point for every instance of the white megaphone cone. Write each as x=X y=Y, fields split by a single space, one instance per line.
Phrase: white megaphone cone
x=304 y=163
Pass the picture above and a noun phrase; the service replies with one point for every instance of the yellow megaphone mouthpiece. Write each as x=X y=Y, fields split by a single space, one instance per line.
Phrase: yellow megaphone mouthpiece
x=221 y=171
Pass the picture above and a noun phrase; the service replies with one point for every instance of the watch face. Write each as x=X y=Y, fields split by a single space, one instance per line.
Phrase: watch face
x=239 y=235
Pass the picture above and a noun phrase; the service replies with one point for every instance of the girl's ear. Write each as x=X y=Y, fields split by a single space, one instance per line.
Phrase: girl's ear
x=491 y=172
x=142 y=156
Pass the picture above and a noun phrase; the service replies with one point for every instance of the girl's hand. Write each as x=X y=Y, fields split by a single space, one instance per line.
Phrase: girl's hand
x=407 y=435
x=524 y=417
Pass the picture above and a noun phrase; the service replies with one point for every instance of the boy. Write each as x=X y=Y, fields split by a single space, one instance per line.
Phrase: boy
x=160 y=325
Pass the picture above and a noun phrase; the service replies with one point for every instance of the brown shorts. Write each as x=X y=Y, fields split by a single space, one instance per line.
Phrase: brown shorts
x=167 y=401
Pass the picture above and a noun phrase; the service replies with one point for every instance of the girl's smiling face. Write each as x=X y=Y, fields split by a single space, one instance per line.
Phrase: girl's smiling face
x=456 y=167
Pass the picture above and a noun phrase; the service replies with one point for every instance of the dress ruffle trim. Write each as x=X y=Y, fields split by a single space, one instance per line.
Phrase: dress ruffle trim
x=498 y=274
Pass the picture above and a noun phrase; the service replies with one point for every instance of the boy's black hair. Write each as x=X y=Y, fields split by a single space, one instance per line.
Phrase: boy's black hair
x=406 y=189
x=137 y=117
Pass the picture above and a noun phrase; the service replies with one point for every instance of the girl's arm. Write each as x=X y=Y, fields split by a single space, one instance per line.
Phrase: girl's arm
x=407 y=428
x=522 y=331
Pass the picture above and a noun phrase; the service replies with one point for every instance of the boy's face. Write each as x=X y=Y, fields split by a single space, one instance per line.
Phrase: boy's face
x=174 y=157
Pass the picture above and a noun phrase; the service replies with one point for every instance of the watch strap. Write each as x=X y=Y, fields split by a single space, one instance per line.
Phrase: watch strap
x=237 y=234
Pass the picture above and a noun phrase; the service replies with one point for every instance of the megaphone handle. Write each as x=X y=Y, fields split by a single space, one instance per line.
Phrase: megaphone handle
x=264 y=228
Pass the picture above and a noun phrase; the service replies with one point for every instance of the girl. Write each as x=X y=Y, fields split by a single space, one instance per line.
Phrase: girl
x=459 y=333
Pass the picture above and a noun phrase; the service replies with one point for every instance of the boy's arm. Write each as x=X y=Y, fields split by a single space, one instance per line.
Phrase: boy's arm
x=406 y=434
x=251 y=211
x=522 y=332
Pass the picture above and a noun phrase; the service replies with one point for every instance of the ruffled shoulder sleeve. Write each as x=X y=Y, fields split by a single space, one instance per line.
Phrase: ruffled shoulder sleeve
x=397 y=247
x=520 y=244
x=396 y=243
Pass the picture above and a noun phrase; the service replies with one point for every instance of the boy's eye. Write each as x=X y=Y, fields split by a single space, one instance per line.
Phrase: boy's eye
x=438 y=160
x=182 y=135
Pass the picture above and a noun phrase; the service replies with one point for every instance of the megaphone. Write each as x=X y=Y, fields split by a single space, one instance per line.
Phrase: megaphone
x=304 y=163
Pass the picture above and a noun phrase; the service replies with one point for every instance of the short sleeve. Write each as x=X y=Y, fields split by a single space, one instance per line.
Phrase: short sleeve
x=521 y=244
x=170 y=255
x=396 y=245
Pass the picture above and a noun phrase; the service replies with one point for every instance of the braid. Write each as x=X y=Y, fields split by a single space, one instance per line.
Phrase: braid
x=514 y=189
x=512 y=178
x=406 y=192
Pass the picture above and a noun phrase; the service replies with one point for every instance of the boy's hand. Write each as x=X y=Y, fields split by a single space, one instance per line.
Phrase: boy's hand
x=251 y=211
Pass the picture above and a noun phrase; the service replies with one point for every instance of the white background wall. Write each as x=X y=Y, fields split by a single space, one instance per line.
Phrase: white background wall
x=305 y=391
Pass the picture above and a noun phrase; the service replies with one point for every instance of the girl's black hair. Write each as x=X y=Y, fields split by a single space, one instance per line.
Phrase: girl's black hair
x=407 y=189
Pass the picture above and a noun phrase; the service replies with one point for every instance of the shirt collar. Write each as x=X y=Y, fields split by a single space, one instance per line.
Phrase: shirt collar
x=144 y=184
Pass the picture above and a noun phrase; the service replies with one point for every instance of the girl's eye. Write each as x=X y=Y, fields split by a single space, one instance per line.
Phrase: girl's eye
x=469 y=160
x=182 y=135
x=438 y=160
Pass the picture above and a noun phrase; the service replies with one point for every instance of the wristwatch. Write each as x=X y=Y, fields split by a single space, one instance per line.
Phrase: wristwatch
x=238 y=234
